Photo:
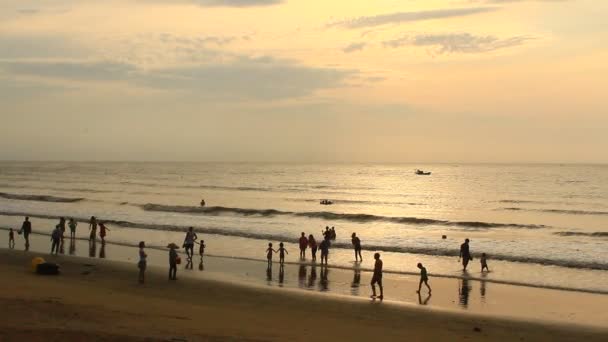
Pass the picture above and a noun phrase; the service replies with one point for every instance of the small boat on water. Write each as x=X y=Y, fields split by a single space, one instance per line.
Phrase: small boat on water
x=423 y=173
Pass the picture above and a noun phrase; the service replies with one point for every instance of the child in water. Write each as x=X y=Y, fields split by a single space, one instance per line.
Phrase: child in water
x=201 y=249
x=102 y=232
x=269 y=252
x=11 y=239
x=484 y=262
x=282 y=252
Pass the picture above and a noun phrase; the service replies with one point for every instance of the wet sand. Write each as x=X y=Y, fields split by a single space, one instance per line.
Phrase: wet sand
x=100 y=299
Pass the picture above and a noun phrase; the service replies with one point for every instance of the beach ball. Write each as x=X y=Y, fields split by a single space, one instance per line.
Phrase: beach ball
x=37 y=261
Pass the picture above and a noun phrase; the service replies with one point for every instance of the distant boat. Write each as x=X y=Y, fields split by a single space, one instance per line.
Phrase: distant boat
x=423 y=173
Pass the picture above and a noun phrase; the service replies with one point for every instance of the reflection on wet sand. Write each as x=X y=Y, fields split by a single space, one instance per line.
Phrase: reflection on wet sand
x=302 y=276
x=482 y=288
x=269 y=274
x=102 y=251
x=201 y=266
x=355 y=285
x=313 y=277
x=281 y=275
x=324 y=282
x=425 y=301
x=92 y=248
x=72 y=246
x=463 y=292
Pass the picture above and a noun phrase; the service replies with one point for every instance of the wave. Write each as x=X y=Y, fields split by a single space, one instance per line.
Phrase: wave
x=593 y=234
x=560 y=211
x=349 y=201
x=40 y=198
x=330 y=216
x=294 y=239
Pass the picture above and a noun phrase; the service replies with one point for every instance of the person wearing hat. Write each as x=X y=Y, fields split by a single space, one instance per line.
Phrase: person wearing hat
x=172 y=261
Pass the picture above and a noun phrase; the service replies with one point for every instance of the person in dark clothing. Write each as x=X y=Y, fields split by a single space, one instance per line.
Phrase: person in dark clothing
x=357 y=246
x=312 y=243
x=465 y=254
x=11 y=239
x=424 y=278
x=172 y=261
x=56 y=239
x=93 y=229
x=26 y=229
x=377 y=277
x=324 y=247
x=303 y=245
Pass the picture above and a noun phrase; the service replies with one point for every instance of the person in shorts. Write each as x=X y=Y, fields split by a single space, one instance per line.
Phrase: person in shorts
x=377 y=277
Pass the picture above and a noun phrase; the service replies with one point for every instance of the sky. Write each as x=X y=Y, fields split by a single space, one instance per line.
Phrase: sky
x=382 y=81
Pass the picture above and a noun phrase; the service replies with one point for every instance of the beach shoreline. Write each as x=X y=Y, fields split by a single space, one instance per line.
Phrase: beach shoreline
x=92 y=295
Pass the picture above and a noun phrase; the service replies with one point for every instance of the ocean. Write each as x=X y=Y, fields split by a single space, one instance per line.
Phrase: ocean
x=540 y=225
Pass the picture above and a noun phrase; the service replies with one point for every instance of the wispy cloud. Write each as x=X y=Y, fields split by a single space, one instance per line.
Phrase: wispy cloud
x=400 y=17
x=354 y=47
x=457 y=42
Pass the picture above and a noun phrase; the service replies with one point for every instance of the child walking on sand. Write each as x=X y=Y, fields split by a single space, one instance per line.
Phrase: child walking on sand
x=377 y=277
x=172 y=261
x=282 y=252
x=269 y=252
x=142 y=262
x=424 y=278
x=11 y=239
x=484 y=262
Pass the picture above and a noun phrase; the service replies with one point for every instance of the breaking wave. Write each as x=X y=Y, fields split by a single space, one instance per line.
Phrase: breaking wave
x=40 y=198
x=561 y=211
x=593 y=234
x=330 y=216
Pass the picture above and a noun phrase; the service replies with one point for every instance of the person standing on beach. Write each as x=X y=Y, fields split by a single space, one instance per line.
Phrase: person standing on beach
x=313 y=247
x=465 y=254
x=189 y=242
x=201 y=249
x=62 y=227
x=93 y=229
x=484 y=262
x=424 y=278
x=303 y=246
x=282 y=252
x=269 y=252
x=324 y=247
x=11 y=239
x=377 y=277
x=26 y=229
x=326 y=233
x=357 y=246
x=55 y=239
x=332 y=234
x=172 y=261
x=102 y=232
x=72 y=224
x=142 y=264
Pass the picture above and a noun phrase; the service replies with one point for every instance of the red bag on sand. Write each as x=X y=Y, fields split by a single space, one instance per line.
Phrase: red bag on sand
x=178 y=260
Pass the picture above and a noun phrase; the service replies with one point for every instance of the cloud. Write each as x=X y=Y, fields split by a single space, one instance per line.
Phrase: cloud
x=457 y=42
x=354 y=47
x=229 y=3
x=244 y=78
x=400 y=17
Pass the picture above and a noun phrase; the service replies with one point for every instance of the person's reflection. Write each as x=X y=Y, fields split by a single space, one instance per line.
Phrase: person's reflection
x=425 y=301
x=269 y=274
x=92 y=248
x=72 y=246
x=281 y=275
x=201 y=267
x=355 y=285
x=463 y=292
x=102 y=250
x=313 y=276
x=324 y=282
x=189 y=264
x=482 y=289
x=302 y=276
x=61 y=247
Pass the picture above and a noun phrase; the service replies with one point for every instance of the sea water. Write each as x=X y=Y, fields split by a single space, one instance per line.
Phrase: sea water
x=540 y=225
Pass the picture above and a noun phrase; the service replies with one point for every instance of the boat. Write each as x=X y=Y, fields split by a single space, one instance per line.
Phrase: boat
x=423 y=173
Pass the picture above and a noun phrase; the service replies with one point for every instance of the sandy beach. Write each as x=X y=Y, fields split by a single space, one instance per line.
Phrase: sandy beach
x=99 y=299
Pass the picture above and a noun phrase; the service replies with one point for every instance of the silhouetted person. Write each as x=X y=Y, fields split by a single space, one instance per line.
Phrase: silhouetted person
x=332 y=234
x=55 y=240
x=424 y=278
x=189 y=242
x=464 y=292
x=282 y=252
x=303 y=245
x=484 y=262
x=326 y=233
x=465 y=254
x=26 y=229
x=201 y=250
x=103 y=232
x=62 y=227
x=172 y=262
x=93 y=229
x=357 y=246
x=142 y=264
x=203 y=203
x=312 y=243
x=269 y=252
x=377 y=277
x=324 y=247
x=72 y=224
x=11 y=239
